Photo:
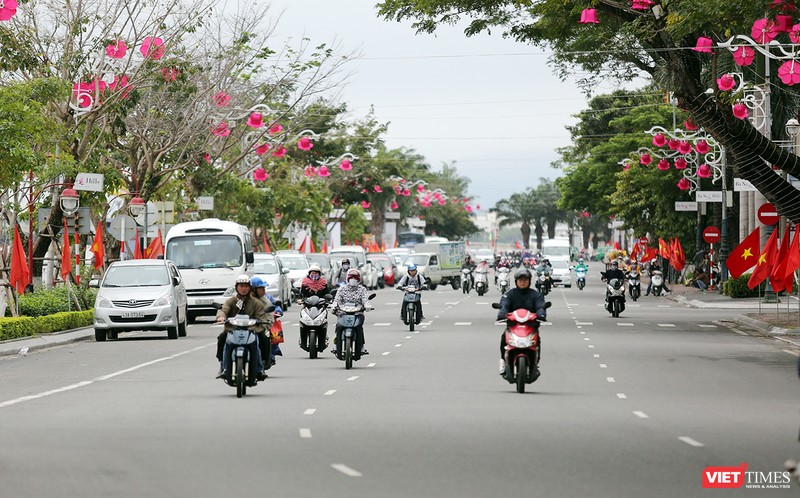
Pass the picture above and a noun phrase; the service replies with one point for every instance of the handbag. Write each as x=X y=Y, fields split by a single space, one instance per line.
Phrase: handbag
x=276 y=332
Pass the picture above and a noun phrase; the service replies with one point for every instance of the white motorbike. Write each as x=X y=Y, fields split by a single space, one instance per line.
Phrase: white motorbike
x=503 y=280
x=481 y=281
x=466 y=280
x=615 y=297
x=580 y=278
x=657 y=280
x=314 y=324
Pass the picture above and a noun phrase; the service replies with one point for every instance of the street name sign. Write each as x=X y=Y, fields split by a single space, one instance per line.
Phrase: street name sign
x=685 y=206
x=741 y=185
x=708 y=196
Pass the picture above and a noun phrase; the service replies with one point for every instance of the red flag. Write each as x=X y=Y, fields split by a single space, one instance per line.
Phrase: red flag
x=650 y=254
x=383 y=246
x=156 y=247
x=777 y=276
x=743 y=257
x=325 y=246
x=303 y=246
x=266 y=246
x=137 y=247
x=616 y=246
x=635 y=250
x=792 y=260
x=765 y=261
x=678 y=258
x=311 y=245
x=663 y=249
x=66 y=255
x=98 y=249
x=19 y=265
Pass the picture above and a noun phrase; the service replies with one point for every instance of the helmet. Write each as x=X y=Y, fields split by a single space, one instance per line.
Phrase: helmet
x=614 y=264
x=412 y=267
x=315 y=268
x=580 y=260
x=346 y=260
x=257 y=282
x=522 y=273
x=354 y=274
x=243 y=279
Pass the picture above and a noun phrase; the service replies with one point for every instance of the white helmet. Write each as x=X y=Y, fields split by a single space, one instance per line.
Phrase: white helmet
x=243 y=279
x=315 y=268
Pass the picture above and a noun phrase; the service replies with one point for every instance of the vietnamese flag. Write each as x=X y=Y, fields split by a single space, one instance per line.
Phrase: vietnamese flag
x=19 y=278
x=635 y=250
x=792 y=260
x=156 y=247
x=743 y=257
x=266 y=246
x=137 y=247
x=66 y=255
x=98 y=248
x=765 y=261
x=663 y=249
x=650 y=254
x=325 y=246
x=778 y=273
x=678 y=257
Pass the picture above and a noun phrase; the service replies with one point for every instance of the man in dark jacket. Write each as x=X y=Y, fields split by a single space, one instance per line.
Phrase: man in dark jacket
x=520 y=297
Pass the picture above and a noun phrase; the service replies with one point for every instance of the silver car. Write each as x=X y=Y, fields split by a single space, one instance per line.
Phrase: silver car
x=140 y=294
x=269 y=268
x=297 y=265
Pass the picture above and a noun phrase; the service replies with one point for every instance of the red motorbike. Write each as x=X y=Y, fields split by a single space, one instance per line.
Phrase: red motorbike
x=522 y=347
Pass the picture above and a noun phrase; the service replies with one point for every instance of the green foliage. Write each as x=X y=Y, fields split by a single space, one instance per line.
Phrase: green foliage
x=355 y=225
x=737 y=287
x=25 y=326
x=48 y=301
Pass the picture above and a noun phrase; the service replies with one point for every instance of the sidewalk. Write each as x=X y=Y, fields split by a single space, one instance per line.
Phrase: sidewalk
x=14 y=346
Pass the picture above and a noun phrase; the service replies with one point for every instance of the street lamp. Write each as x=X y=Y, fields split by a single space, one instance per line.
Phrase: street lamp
x=136 y=206
x=793 y=129
x=70 y=201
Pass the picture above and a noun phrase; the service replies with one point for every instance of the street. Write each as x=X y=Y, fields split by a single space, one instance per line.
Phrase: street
x=635 y=406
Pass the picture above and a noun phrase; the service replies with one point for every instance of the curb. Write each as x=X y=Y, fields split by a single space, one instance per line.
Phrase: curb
x=9 y=347
x=764 y=327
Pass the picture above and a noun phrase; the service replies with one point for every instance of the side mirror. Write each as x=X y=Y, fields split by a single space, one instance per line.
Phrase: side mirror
x=248 y=256
x=372 y=296
x=547 y=304
x=285 y=271
x=269 y=309
x=176 y=281
x=94 y=283
x=496 y=306
x=328 y=297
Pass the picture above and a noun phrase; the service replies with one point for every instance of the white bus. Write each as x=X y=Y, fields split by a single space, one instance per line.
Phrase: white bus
x=209 y=254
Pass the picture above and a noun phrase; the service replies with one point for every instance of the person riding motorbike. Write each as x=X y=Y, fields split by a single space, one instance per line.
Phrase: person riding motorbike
x=582 y=266
x=313 y=284
x=544 y=267
x=416 y=280
x=259 y=291
x=525 y=297
x=613 y=272
x=353 y=292
x=341 y=275
x=245 y=304
x=654 y=266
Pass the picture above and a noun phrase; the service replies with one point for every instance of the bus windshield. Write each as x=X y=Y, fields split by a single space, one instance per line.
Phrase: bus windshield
x=206 y=251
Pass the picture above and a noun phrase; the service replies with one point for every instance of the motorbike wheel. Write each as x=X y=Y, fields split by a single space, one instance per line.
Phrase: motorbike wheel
x=615 y=309
x=348 y=353
x=454 y=284
x=656 y=292
x=241 y=388
x=312 y=345
x=635 y=294
x=411 y=316
x=522 y=373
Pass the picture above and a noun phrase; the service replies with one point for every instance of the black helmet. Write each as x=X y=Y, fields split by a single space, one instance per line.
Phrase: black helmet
x=522 y=273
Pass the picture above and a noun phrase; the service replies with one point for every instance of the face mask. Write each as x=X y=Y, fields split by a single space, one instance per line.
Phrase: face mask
x=345 y=266
x=352 y=282
x=314 y=276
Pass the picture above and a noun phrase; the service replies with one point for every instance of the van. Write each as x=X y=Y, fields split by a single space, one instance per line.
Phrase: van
x=209 y=255
x=556 y=249
x=357 y=253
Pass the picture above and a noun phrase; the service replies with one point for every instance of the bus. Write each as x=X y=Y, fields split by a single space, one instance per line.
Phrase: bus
x=410 y=239
x=209 y=255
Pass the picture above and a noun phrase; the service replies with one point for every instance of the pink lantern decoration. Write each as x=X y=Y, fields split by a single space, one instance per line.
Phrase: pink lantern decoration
x=260 y=174
x=645 y=159
x=420 y=188
x=310 y=171
x=377 y=188
x=627 y=166
x=589 y=16
x=704 y=44
x=364 y=191
x=689 y=125
x=681 y=163
x=394 y=205
x=478 y=207
x=276 y=128
x=324 y=172
x=442 y=202
x=437 y=195
x=406 y=192
x=663 y=165
x=152 y=48
x=726 y=82
x=115 y=50
x=8 y=10
x=346 y=165
x=659 y=140
x=740 y=111
x=763 y=31
x=744 y=56
x=684 y=147
x=673 y=142
x=641 y=4
x=789 y=72
x=397 y=189
x=305 y=143
x=170 y=74
x=684 y=184
x=365 y=204
x=221 y=99
x=120 y=83
x=279 y=152
x=468 y=208
x=794 y=33
x=262 y=149
x=222 y=130
x=255 y=120
x=783 y=23
x=702 y=147
x=704 y=171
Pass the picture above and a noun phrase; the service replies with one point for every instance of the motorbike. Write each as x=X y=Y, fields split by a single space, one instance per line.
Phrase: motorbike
x=521 y=347
x=657 y=280
x=237 y=358
x=543 y=282
x=634 y=285
x=314 y=324
x=615 y=297
x=580 y=278
x=411 y=295
x=481 y=281
x=503 y=279
x=466 y=280
x=350 y=332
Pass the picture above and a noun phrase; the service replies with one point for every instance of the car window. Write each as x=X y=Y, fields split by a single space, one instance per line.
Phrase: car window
x=417 y=260
x=265 y=266
x=434 y=260
x=382 y=262
x=294 y=262
x=136 y=276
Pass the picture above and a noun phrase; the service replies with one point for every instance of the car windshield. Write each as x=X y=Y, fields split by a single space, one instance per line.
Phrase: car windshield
x=355 y=258
x=558 y=264
x=556 y=251
x=265 y=266
x=319 y=259
x=382 y=262
x=417 y=259
x=205 y=251
x=294 y=262
x=136 y=276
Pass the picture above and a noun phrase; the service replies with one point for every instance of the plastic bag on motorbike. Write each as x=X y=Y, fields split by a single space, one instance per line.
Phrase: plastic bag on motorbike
x=276 y=333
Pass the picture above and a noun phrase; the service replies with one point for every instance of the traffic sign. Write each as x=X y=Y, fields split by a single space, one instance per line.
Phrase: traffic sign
x=643 y=241
x=120 y=222
x=767 y=214
x=711 y=235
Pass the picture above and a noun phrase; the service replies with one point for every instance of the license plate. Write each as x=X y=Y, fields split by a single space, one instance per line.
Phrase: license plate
x=133 y=314
x=205 y=301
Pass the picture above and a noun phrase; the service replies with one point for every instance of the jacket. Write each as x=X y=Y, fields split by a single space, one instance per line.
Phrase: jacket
x=516 y=298
x=250 y=306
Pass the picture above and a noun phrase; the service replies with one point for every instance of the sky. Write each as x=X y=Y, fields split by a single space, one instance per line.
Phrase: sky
x=490 y=105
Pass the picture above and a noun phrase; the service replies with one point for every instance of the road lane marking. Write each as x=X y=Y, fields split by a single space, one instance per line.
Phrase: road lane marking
x=501 y=324
x=452 y=304
x=286 y=322
x=622 y=396
x=596 y=355
x=371 y=365
x=481 y=303
x=383 y=324
x=641 y=414
x=664 y=306
x=310 y=411
x=462 y=323
x=793 y=353
x=582 y=333
x=397 y=345
x=353 y=377
x=666 y=324
x=591 y=346
x=625 y=324
x=706 y=326
x=586 y=339
x=603 y=365
x=392 y=304
x=691 y=442
x=386 y=353
x=330 y=393
x=611 y=379
x=584 y=323
x=305 y=433
x=408 y=337
x=581 y=328
x=344 y=469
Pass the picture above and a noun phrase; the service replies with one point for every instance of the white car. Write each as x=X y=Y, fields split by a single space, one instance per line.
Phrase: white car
x=297 y=264
x=370 y=275
x=562 y=272
x=269 y=268
x=485 y=255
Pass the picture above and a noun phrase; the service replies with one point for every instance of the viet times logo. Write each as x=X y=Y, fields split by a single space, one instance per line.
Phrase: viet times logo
x=738 y=476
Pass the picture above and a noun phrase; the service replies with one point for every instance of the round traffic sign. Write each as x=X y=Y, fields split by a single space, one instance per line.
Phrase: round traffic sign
x=767 y=214
x=643 y=241
x=711 y=235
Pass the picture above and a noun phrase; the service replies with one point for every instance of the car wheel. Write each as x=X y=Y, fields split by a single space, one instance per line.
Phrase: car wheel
x=172 y=332
x=99 y=335
x=183 y=325
x=113 y=334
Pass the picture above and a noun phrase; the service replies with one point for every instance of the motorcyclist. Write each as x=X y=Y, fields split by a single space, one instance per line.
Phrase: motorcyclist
x=245 y=304
x=259 y=290
x=582 y=266
x=353 y=292
x=522 y=296
x=544 y=268
x=341 y=275
x=413 y=279
x=469 y=265
x=313 y=284
x=613 y=272
x=654 y=266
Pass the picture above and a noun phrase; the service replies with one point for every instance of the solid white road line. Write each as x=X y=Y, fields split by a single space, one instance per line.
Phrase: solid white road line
x=625 y=324
x=691 y=442
x=664 y=306
x=305 y=433
x=702 y=325
x=408 y=337
x=310 y=411
x=392 y=304
x=481 y=303
x=353 y=377
x=622 y=396
x=641 y=414
x=330 y=393
x=452 y=304
x=385 y=324
x=596 y=355
x=584 y=323
x=344 y=469
x=610 y=379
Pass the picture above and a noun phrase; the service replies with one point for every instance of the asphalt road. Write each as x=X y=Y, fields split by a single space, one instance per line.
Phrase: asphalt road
x=629 y=407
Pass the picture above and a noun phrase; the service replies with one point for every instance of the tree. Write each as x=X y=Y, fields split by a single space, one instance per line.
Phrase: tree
x=522 y=208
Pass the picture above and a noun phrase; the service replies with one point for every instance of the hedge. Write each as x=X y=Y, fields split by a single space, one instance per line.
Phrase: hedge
x=737 y=287
x=26 y=326
x=44 y=302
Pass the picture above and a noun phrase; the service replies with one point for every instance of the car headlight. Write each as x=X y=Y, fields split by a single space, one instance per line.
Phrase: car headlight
x=229 y=292
x=164 y=300
x=102 y=302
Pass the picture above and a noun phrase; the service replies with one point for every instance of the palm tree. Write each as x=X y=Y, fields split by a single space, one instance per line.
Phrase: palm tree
x=523 y=208
x=548 y=195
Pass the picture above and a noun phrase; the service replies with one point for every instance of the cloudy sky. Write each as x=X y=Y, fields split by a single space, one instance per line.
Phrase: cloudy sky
x=490 y=105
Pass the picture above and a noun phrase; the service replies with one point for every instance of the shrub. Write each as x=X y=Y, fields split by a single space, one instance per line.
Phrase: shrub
x=48 y=301
x=737 y=287
x=25 y=326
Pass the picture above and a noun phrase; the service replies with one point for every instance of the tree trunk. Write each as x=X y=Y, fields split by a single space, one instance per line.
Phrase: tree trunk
x=378 y=224
x=539 y=235
x=526 y=234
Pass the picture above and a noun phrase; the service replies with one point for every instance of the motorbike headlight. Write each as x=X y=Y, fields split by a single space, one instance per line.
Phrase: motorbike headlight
x=521 y=342
x=164 y=300
x=102 y=302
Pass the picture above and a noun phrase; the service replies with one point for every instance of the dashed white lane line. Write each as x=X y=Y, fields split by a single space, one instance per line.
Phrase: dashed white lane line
x=586 y=339
x=705 y=326
x=462 y=323
x=603 y=365
x=622 y=396
x=481 y=302
x=305 y=433
x=625 y=324
x=596 y=355
x=330 y=393
x=691 y=442
x=285 y=322
x=584 y=323
x=392 y=304
x=582 y=333
x=451 y=303
x=611 y=379
x=344 y=469
x=310 y=411
x=371 y=365
x=353 y=377
x=664 y=306
x=591 y=346
x=397 y=345
x=666 y=324
x=408 y=337
x=436 y=316
x=384 y=324
x=386 y=353
x=641 y=414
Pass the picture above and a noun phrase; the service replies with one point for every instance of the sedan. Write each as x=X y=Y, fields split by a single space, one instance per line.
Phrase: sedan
x=297 y=265
x=562 y=272
x=387 y=267
x=140 y=294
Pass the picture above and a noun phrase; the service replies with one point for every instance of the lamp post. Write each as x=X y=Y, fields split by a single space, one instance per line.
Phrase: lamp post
x=136 y=206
